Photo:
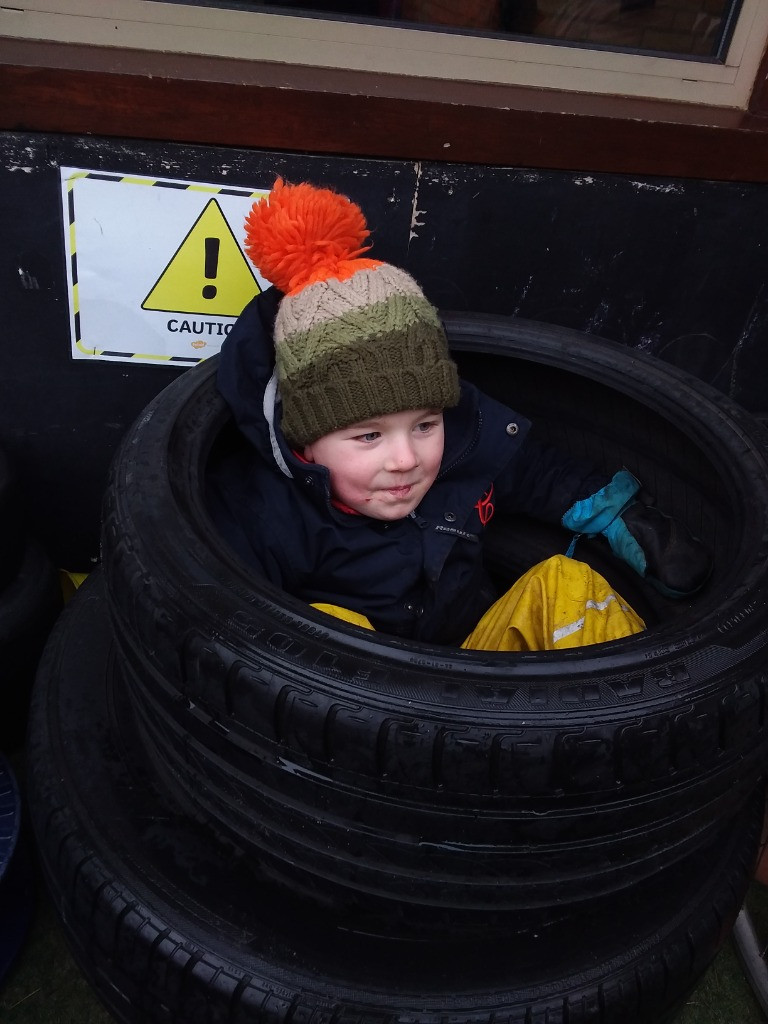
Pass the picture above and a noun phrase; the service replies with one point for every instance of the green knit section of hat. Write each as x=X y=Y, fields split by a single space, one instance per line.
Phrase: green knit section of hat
x=397 y=370
x=353 y=326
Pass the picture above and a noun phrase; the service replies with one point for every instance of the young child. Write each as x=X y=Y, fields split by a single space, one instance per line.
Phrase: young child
x=373 y=470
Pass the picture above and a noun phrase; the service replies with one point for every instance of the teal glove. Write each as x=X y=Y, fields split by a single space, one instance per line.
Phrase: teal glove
x=657 y=546
x=597 y=514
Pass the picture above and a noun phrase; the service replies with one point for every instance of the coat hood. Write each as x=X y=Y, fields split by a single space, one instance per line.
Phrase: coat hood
x=246 y=378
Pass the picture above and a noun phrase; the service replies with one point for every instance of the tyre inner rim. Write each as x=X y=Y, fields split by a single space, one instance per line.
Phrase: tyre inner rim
x=691 y=476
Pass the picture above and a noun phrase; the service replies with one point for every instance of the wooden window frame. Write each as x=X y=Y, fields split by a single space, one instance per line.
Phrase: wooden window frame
x=48 y=86
x=405 y=49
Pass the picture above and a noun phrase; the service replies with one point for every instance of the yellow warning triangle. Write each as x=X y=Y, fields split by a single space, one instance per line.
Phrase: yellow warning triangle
x=208 y=273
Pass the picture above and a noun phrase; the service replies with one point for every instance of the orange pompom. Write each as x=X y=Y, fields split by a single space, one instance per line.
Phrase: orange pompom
x=300 y=234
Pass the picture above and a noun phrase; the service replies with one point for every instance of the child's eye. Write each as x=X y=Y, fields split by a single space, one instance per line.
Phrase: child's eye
x=426 y=426
x=372 y=435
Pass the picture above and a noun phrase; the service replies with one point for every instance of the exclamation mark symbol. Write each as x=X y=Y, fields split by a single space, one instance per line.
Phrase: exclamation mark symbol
x=211 y=266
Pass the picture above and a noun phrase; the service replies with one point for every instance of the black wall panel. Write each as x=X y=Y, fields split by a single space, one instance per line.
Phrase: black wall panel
x=674 y=267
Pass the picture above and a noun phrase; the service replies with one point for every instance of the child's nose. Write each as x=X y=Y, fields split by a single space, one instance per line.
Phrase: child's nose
x=402 y=455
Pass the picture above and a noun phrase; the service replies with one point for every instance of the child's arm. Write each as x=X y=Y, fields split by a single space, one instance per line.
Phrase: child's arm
x=657 y=546
x=556 y=488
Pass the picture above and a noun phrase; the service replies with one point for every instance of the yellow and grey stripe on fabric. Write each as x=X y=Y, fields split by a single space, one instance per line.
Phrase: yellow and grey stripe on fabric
x=562 y=632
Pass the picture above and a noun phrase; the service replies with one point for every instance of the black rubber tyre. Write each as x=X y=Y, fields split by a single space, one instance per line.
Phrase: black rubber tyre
x=29 y=605
x=445 y=778
x=172 y=929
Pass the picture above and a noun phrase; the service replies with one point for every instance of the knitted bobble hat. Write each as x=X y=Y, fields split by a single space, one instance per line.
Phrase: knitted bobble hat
x=355 y=338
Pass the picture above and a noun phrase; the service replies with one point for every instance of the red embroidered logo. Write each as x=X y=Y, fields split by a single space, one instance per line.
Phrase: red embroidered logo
x=485 y=507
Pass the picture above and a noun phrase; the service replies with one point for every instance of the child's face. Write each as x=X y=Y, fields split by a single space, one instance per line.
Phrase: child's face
x=384 y=466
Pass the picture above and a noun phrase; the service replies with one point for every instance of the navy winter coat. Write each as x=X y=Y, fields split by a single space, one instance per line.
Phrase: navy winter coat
x=420 y=577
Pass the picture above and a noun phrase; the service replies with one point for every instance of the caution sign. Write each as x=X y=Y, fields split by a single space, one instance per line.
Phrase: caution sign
x=208 y=273
x=155 y=266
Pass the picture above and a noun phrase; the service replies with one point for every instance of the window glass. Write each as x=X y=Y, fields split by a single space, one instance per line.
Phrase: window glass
x=682 y=28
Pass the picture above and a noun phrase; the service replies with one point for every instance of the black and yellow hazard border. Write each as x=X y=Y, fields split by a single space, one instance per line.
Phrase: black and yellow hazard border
x=127 y=179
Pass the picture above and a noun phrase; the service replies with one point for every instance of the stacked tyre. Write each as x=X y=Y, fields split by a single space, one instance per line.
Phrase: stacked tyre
x=30 y=600
x=303 y=817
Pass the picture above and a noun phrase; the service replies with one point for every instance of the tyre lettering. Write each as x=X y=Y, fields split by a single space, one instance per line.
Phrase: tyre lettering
x=582 y=694
x=286 y=644
x=498 y=696
x=439 y=666
x=736 y=618
x=539 y=696
x=631 y=687
x=325 y=661
x=671 y=675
